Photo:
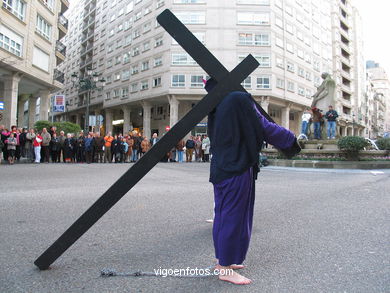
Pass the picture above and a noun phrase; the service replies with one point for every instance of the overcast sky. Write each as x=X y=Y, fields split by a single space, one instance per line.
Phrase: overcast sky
x=376 y=30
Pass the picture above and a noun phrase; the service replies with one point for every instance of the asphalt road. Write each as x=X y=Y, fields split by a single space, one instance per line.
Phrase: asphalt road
x=314 y=230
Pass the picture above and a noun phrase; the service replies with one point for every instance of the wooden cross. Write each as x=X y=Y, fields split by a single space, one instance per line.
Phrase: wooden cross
x=227 y=82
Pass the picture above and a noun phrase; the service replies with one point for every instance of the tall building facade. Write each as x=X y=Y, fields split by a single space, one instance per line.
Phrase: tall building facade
x=349 y=68
x=379 y=99
x=151 y=82
x=30 y=50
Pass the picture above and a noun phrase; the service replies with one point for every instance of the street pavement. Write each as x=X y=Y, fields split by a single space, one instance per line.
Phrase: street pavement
x=314 y=230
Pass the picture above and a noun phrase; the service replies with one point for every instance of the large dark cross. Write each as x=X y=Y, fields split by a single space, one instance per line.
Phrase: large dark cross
x=227 y=82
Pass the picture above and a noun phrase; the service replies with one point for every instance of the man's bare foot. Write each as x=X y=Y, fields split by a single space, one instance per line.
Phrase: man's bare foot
x=228 y=275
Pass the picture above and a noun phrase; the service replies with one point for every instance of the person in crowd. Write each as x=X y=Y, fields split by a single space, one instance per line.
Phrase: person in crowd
x=98 y=144
x=45 y=150
x=88 y=146
x=11 y=147
x=53 y=130
x=4 y=135
x=145 y=146
x=107 y=147
x=331 y=117
x=37 y=142
x=80 y=148
x=69 y=149
x=2 y=145
x=124 y=150
x=206 y=148
x=116 y=148
x=130 y=143
x=154 y=139
x=306 y=116
x=317 y=118
x=172 y=155
x=61 y=140
x=190 y=145
x=198 y=149
x=22 y=142
x=54 y=147
x=137 y=150
x=180 y=150
x=30 y=136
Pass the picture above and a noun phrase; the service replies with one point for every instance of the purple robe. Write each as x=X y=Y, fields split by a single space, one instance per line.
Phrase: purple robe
x=234 y=203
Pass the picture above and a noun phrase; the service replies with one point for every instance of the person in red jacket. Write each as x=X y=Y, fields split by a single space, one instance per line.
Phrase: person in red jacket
x=37 y=147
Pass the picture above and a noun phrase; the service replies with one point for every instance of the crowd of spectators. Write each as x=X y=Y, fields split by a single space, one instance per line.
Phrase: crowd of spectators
x=48 y=146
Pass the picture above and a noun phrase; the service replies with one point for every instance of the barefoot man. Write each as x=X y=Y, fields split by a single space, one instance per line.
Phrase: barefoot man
x=237 y=131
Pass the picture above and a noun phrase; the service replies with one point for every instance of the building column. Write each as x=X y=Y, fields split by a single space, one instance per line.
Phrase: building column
x=98 y=122
x=174 y=110
x=346 y=131
x=22 y=99
x=78 y=120
x=264 y=103
x=147 y=119
x=109 y=117
x=44 y=105
x=285 y=115
x=32 y=107
x=127 y=126
x=11 y=86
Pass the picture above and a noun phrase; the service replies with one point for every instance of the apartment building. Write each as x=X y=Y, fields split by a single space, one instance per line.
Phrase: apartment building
x=379 y=99
x=30 y=50
x=151 y=82
x=349 y=68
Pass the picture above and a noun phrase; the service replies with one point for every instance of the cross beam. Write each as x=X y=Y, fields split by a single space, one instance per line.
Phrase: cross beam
x=198 y=51
x=228 y=82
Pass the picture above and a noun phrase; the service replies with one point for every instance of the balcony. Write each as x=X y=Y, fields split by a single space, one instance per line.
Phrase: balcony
x=59 y=76
x=62 y=25
x=60 y=52
x=64 y=5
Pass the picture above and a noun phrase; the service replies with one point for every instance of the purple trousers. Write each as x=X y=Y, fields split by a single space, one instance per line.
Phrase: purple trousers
x=234 y=201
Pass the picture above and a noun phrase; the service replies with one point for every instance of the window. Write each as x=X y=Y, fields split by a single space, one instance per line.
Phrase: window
x=111 y=33
x=160 y=3
x=127 y=40
x=16 y=7
x=253 y=39
x=108 y=95
x=182 y=59
x=126 y=57
x=300 y=53
x=157 y=81
x=280 y=83
x=129 y=7
x=118 y=60
x=43 y=27
x=247 y=83
x=178 y=80
x=253 y=2
x=308 y=93
x=264 y=82
x=119 y=28
x=135 y=51
x=253 y=18
x=41 y=59
x=290 y=67
x=158 y=42
x=148 y=10
x=127 y=25
x=134 y=69
x=145 y=65
x=125 y=92
x=138 y=15
x=301 y=72
x=289 y=28
x=10 y=41
x=279 y=22
x=157 y=61
x=112 y=18
x=279 y=42
x=197 y=81
x=136 y=33
x=146 y=46
x=291 y=86
x=117 y=93
x=49 y=3
x=134 y=87
x=308 y=76
x=126 y=74
x=289 y=47
x=117 y=76
x=147 y=27
x=109 y=63
x=109 y=79
x=264 y=60
x=144 y=85
x=279 y=62
x=193 y=17
x=120 y=12
x=119 y=43
x=301 y=91
x=109 y=48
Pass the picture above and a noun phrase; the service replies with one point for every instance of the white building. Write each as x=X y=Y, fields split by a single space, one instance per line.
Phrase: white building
x=29 y=52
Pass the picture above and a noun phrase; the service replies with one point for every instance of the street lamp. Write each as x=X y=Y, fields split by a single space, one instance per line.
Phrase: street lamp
x=88 y=83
